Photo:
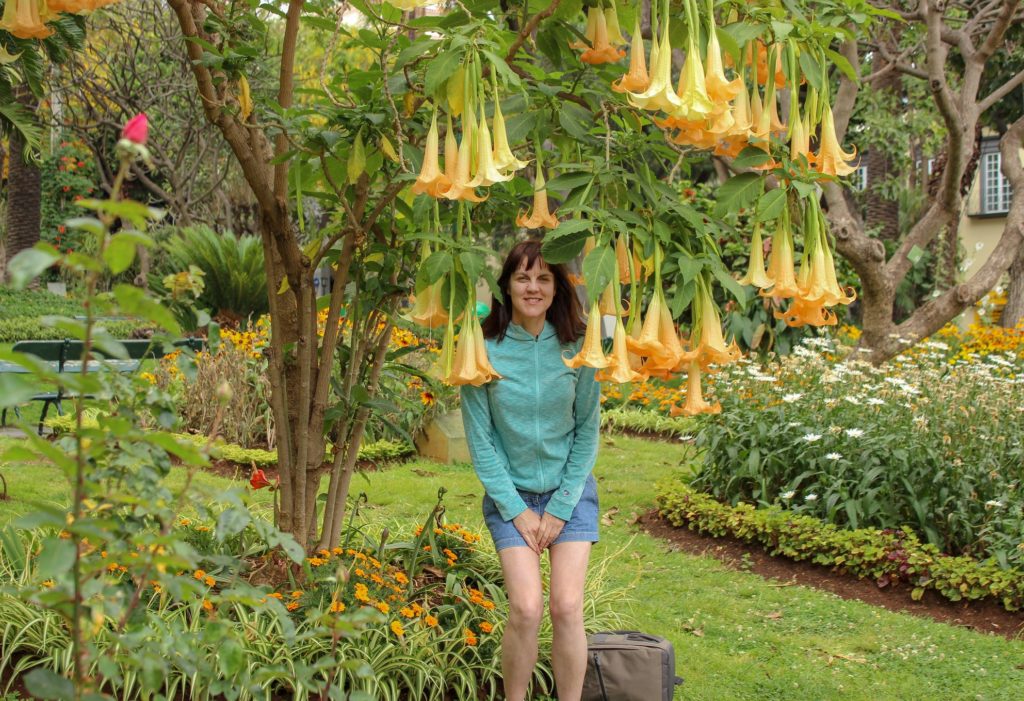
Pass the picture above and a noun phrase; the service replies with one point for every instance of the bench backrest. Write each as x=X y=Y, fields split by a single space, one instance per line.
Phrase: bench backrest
x=51 y=351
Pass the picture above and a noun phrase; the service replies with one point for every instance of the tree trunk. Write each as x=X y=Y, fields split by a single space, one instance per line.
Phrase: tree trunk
x=1013 y=312
x=24 y=193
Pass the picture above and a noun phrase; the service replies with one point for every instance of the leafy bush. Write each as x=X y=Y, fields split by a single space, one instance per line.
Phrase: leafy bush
x=887 y=556
x=34 y=329
x=645 y=421
x=235 y=282
x=886 y=447
x=15 y=304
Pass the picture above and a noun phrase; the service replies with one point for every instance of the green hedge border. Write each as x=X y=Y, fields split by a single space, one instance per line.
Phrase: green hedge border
x=378 y=451
x=887 y=556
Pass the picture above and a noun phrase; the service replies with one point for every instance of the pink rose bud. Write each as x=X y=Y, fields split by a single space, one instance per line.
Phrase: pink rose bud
x=137 y=129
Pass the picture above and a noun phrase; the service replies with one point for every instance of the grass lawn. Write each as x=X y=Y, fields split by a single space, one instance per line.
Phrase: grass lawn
x=737 y=636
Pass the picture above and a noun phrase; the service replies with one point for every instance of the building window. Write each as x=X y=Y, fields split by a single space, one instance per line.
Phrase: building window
x=860 y=178
x=995 y=188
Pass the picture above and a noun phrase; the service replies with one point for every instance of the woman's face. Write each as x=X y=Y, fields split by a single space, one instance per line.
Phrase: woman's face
x=532 y=291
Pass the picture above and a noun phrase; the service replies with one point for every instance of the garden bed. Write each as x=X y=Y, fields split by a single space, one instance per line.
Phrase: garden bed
x=985 y=616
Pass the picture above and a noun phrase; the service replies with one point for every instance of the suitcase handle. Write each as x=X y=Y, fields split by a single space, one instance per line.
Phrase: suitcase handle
x=637 y=635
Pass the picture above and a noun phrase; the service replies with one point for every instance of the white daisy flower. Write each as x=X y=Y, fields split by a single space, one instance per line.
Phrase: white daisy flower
x=811 y=497
x=811 y=437
x=788 y=495
x=834 y=456
x=854 y=432
x=792 y=397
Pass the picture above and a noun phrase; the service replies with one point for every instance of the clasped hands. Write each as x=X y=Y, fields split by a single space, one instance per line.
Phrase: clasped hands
x=538 y=531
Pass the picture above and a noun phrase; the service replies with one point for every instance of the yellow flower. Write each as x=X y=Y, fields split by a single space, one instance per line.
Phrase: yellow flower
x=719 y=88
x=460 y=188
x=337 y=607
x=781 y=270
x=694 y=102
x=431 y=180
x=541 y=215
x=470 y=637
x=26 y=19
x=209 y=581
x=470 y=365
x=611 y=20
x=428 y=307
x=619 y=369
x=659 y=94
x=590 y=32
x=711 y=347
x=430 y=620
x=296 y=594
x=831 y=159
x=755 y=269
x=601 y=51
x=486 y=171
x=397 y=628
x=292 y=605
x=486 y=627
x=504 y=159
x=382 y=607
x=199 y=574
x=590 y=353
x=695 y=403
x=207 y=605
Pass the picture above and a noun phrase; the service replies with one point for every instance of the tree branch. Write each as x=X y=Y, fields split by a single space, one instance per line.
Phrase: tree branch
x=528 y=29
x=1001 y=92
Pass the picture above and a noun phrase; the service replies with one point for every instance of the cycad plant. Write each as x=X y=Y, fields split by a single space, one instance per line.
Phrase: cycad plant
x=235 y=282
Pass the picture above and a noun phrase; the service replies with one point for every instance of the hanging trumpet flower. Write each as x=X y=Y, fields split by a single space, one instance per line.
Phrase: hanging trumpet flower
x=831 y=159
x=428 y=306
x=659 y=95
x=636 y=78
x=756 y=275
x=618 y=369
x=26 y=19
x=470 y=365
x=504 y=160
x=710 y=348
x=590 y=353
x=695 y=402
x=601 y=51
x=431 y=180
x=781 y=271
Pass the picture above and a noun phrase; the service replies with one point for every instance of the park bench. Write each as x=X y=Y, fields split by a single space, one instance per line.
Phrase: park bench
x=65 y=356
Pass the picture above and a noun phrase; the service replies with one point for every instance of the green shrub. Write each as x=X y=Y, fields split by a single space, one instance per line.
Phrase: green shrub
x=235 y=283
x=15 y=304
x=886 y=556
x=646 y=422
x=925 y=444
x=33 y=329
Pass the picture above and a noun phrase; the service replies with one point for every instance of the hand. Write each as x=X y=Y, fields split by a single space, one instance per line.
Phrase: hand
x=528 y=524
x=550 y=528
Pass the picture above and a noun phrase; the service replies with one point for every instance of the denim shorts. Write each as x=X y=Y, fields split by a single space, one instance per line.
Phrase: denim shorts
x=581 y=526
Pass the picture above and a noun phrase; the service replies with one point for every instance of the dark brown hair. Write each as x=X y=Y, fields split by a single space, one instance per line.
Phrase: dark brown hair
x=565 y=312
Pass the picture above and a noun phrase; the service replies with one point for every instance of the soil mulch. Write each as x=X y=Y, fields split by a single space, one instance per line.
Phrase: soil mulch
x=982 y=616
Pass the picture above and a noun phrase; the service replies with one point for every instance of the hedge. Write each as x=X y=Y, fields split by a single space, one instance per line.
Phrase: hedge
x=887 y=556
x=31 y=329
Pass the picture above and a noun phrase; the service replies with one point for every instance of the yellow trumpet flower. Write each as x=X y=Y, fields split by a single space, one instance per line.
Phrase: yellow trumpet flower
x=672 y=353
x=719 y=88
x=590 y=32
x=711 y=347
x=541 y=215
x=451 y=154
x=622 y=258
x=486 y=172
x=76 y=6
x=26 y=19
x=611 y=20
x=839 y=294
x=781 y=270
x=460 y=188
x=755 y=269
x=431 y=180
x=601 y=51
x=455 y=91
x=743 y=118
x=504 y=159
x=244 y=98
x=695 y=402
x=619 y=369
x=831 y=159
x=694 y=102
x=799 y=140
x=470 y=365
x=648 y=342
x=607 y=302
x=659 y=95
x=442 y=367
x=590 y=353
x=428 y=308
x=636 y=78
x=804 y=313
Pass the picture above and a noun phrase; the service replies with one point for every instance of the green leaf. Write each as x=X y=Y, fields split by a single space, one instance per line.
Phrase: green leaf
x=915 y=254
x=569 y=227
x=738 y=192
x=727 y=281
x=232 y=522
x=752 y=157
x=44 y=683
x=55 y=558
x=771 y=204
x=472 y=263
x=436 y=266
x=135 y=302
x=28 y=264
x=16 y=389
x=502 y=68
x=811 y=69
x=564 y=248
x=575 y=120
x=569 y=181
x=421 y=46
x=598 y=270
x=119 y=253
x=439 y=70
x=842 y=64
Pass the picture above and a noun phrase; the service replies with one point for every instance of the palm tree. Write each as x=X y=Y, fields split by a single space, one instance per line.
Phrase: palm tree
x=23 y=188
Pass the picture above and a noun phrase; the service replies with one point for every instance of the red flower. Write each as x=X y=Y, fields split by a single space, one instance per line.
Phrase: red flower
x=259 y=480
x=60 y=228
x=137 y=129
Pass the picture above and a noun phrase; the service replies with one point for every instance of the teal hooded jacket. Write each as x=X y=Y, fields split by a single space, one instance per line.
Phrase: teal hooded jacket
x=536 y=429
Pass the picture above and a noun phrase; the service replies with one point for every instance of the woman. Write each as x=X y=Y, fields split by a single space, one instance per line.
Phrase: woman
x=533 y=438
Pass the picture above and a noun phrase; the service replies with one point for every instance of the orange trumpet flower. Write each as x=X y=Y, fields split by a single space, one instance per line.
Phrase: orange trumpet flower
x=541 y=215
x=26 y=19
x=636 y=79
x=695 y=402
x=431 y=180
x=755 y=268
x=804 y=313
x=486 y=172
x=470 y=365
x=619 y=369
x=428 y=308
x=831 y=159
x=504 y=159
x=460 y=188
x=711 y=348
x=659 y=95
x=601 y=50
x=781 y=270
x=590 y=353
x=719 y=88
x=590 y=32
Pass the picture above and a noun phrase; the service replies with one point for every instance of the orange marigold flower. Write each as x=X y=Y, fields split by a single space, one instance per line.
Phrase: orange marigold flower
x=337 y=607
x=397 y=628
x=486 y=627
x=296 y=594
x=292 y=605
x=401 y=578
x=207 y=605
x=382 y=607
x=209 y=581
x=407 y=612
x=430 y=620
x=275 y=595
x=198 y=574
x=470 y=637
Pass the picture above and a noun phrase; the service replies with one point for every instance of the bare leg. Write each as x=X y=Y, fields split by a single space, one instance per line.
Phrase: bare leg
x=569 y=647
x=521 y=567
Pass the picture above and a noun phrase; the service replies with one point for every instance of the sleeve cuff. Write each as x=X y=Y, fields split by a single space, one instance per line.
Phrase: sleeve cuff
x=510 y=510
x=561 y=509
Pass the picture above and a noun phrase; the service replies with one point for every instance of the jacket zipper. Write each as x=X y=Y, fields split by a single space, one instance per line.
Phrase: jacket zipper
x=536 y=408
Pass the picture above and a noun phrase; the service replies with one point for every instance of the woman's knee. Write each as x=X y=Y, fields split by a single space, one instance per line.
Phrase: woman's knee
x=526 y=610
x=566 y=608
